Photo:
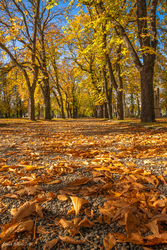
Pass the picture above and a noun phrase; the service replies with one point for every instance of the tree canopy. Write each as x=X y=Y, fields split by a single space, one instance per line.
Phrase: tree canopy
x=72 y=59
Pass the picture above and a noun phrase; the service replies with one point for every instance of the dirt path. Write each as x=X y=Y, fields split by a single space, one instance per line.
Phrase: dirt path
x=109 y=172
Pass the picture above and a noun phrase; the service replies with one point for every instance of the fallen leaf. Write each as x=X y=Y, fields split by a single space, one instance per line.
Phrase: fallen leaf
x=62 y=197
x=10 y=229
x=29 y=191
x=80 y=181
x=78 y=203
x=48 y=245
x=25 y=210
x=86 y=223
x=71 y=240
x=41 y=230
x=109 y=241
x=65 y=223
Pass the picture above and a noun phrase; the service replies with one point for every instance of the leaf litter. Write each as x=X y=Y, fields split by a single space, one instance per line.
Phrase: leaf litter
x=59 y=184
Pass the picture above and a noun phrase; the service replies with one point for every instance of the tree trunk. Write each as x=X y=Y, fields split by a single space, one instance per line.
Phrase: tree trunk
x=47 y=104
x=46 y=95
x=147 y=91
x=120 y=113
x=132 y=104
x=106 y=95
x=147 y=72
x=31 y=105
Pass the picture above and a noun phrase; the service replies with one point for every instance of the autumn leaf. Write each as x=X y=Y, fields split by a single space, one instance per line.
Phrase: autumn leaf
x=25 y=210
x=41 y=230
x=109 y=241
x=89 y=213
x=80 y=181
x=48 y=245
x=153 y=226
x=64 y=223
x=78 y=203
x=15 y=228
x=71 y=240
x=86 y=223
x=29 y=191
x=62 y=197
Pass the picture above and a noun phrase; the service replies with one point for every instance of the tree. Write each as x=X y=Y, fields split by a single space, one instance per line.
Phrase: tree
x=13 y=12
x=146 y=22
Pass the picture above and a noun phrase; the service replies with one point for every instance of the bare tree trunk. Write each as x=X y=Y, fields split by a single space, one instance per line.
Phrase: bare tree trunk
x=107 y=95
x=147 y=93
x=46 y=95
x=31 y=105
x=120 y=113
x=147 y=72
x=132 y=103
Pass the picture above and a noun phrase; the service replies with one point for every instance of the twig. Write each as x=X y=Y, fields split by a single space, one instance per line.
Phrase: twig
x=90 y=241
x=35 y=228
x=4 y=209
x=63 y=245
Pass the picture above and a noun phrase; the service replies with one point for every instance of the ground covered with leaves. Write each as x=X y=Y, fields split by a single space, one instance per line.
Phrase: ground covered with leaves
x=82 y=184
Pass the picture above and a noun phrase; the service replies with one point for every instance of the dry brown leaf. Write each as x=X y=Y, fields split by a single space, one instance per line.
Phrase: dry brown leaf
x=10 y=229
x=25 y=210
x=62 y=197
x=71 y=240
x=162 y=178
x=12 y=245
x=86 y=223
x=73 y=231
x=160 y=203
x=78 y=203
x=134 y=238
x=29 y=191
x=89 y=213
x=153 y=226
x=39 y=210
x=109 y=241
x=65 y=223
x=80 y=181
x=107 y=219
x=54 y=182
x=97 y=174
x=12 y=196
x=56 y=221
x=48 y=245
x=108 y=212
x=147 y=248
x=41 y=230
x=71 y=211
x=99 y=220
x=76 y=221
x=155 y=239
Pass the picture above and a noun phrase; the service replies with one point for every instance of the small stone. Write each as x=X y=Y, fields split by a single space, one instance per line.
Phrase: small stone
x=54 y=235
x=78 y=247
